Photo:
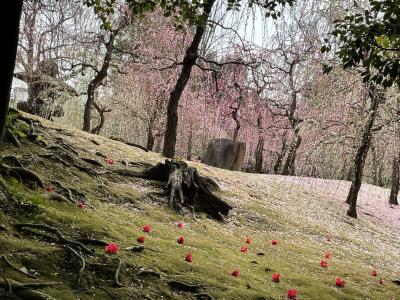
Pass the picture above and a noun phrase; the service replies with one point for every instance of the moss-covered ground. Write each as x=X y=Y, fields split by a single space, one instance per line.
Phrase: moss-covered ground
x=302 y=222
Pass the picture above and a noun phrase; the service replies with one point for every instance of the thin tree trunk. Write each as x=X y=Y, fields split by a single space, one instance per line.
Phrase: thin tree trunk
x=190 y=143
x=188 y=62
x=95 y=82
x=394 y=191
x=258 y=155
x=395 y=180
x=362 y=151
x=281 y=155
x=288 y=167
x=150 y=138
x=10 y=41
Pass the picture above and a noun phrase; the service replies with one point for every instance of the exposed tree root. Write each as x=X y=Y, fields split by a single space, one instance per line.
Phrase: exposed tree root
x=92 y=162
x=81 y=269
x=26 y=290
x=204 y=296
x=116 y=274
x=95 y=142
x=149 y=273
x=55 y=158
x=24 y=175
x=195 y=190
x=66 y=191
x=136 y=249
x=12 y=160
x=107 y=291
x=183 y=287
x=57 y=197
x=55 y=231
x=10 y=136
x=126 y=172
x=92 y=242
x=66 y=146
x=128 y=143
x=16 y=268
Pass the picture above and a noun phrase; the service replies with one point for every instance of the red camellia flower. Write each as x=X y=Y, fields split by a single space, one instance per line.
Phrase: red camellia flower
x=189 y=257
x=374 y=273
x=181 y=240
x=381 y=281
x=81 y=205
x=292 y=294
x=276 y=277
x=110 y=161
x=323 y=264
x=181 y=225
x=274 y=242
x=248 y=240
x=340 y=282
x=327 y=255
x=50 y=189
x=141 y=239
x=112 y=248
x=235 y=273
x=243 y=249
x=146 y=228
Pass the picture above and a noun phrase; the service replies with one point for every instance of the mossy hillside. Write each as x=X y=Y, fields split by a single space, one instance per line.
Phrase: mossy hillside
x=264 y=209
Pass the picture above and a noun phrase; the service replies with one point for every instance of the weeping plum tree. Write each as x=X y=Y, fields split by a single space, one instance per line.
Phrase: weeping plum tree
x=10 y=43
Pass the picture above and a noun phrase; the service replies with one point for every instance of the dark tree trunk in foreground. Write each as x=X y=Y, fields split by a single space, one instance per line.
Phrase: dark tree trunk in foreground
x=11 y=16
x=188 y=62
x=362 y=151
x=95 y=82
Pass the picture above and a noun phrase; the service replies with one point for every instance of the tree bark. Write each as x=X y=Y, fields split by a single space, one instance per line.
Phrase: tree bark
x=288 y=167
x=281 y=155
x=362 y=151
x=11 y=17
x=395 y=180
x=258 y=155
x=188 y=62
x=95 y=82
x=190 y=143
x=394 y=191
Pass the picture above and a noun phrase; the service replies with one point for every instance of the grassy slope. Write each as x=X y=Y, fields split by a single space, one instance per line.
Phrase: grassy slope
x=265 y=208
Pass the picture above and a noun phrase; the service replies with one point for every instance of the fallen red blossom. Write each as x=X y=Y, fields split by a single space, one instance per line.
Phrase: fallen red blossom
x=112 y=248
x=328 y=255
x=189 y=257
x=374 y=273
x=181 y=240
x=274 y=242
x=81 y=205
x=248 y=240
x=141 y=239
x=276 y=277
x=50 y=189
x=181 y=225
x=235 y=273
x=323 y=264
x=146 y=228
x=340 y=282
x=243 y=249
x=292 y=294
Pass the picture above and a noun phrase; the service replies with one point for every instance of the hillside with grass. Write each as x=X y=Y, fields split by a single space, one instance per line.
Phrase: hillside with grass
x=56 y=226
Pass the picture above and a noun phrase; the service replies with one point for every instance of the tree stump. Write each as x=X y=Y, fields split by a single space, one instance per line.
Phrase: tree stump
x=196 y=191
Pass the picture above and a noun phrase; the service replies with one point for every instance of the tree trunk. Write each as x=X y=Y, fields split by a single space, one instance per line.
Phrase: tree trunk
x=288 y=167
x=396 y=163
x=281 y=155
x=395 y=180
x=190 y=144
x=258 y=155
x=188 y=62
x=95 y=82
x=10 y=41
x=150 y=138
x=362 y=151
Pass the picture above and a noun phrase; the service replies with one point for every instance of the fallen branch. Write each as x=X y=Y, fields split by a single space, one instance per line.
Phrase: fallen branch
x=55 y=231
